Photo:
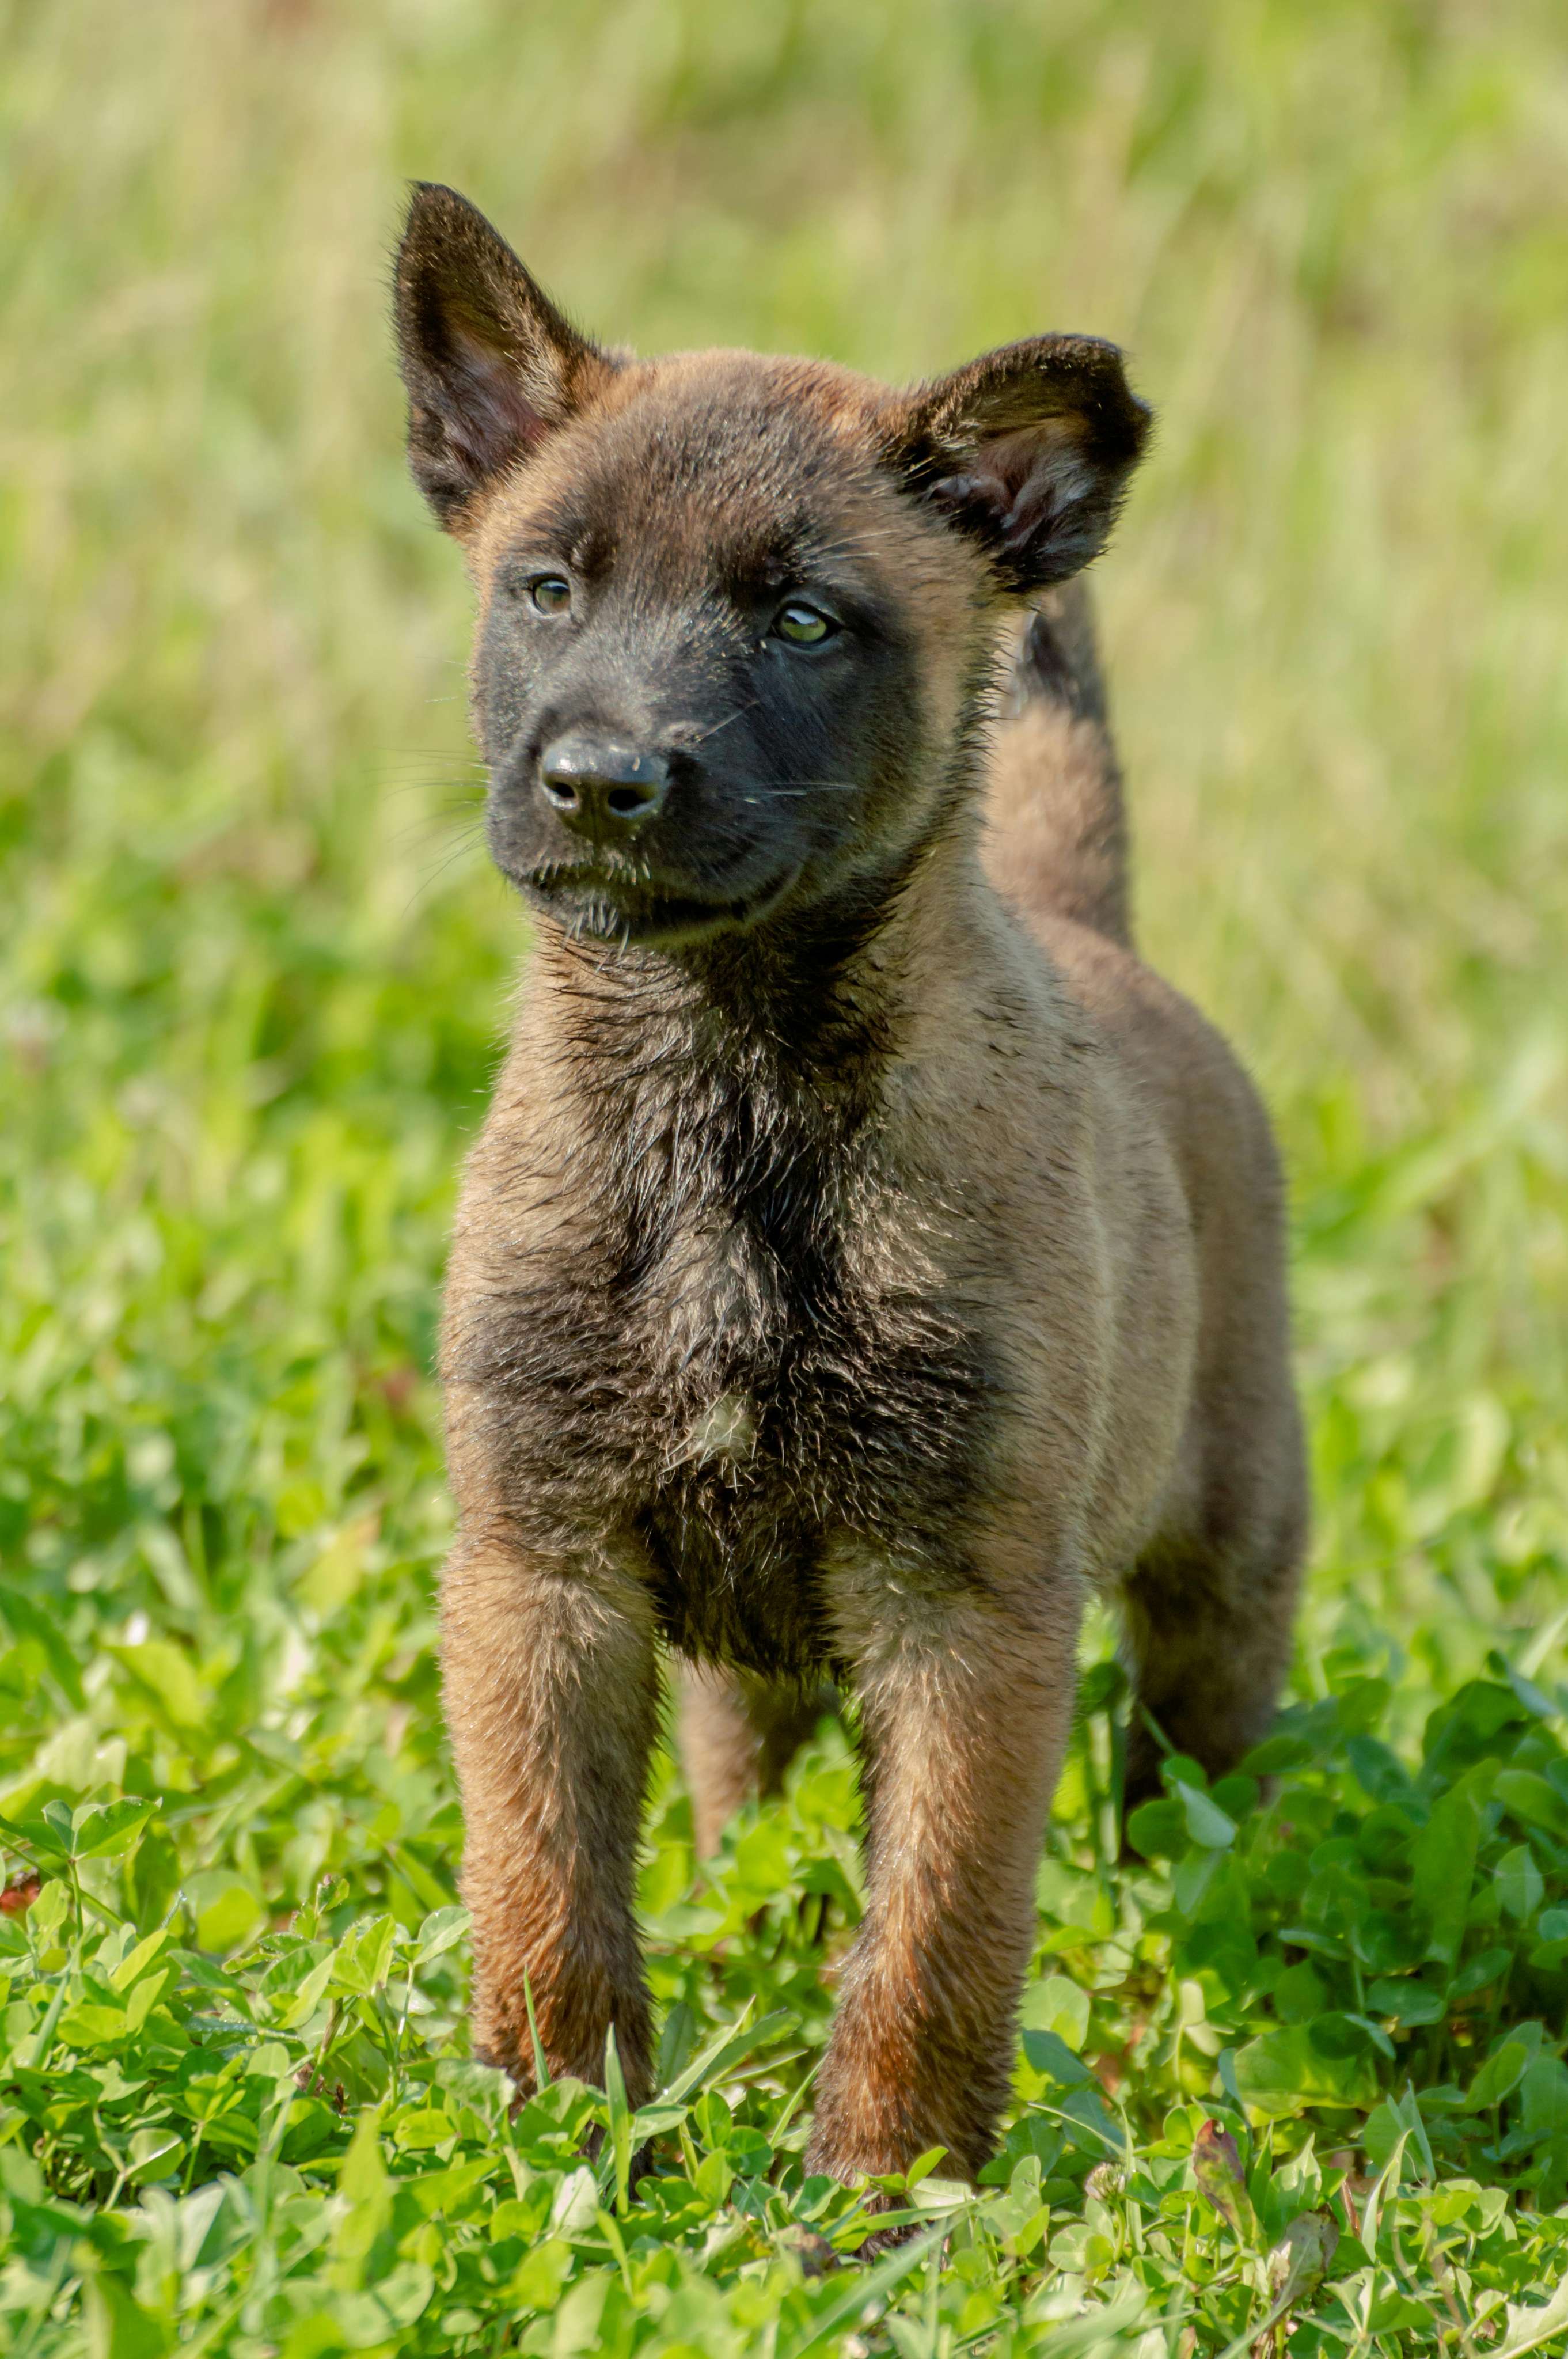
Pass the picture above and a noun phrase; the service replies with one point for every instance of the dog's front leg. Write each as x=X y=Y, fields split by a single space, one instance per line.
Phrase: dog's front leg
x=552 y=1700
x=966 y=1704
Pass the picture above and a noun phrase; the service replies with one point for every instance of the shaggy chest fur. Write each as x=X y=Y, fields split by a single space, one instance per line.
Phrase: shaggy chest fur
x=748 y=1357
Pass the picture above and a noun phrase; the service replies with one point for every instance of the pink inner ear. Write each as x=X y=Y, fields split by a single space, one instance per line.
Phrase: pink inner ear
x=1029 y=477
x=495 y=421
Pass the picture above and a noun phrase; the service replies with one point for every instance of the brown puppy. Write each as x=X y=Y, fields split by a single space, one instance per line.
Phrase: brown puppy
x=864 y=1254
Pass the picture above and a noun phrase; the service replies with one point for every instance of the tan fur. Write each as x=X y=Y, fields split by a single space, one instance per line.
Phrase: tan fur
x=1050 y=1349
x=737 y=1737
x=552 y=1690
x=965 y=1706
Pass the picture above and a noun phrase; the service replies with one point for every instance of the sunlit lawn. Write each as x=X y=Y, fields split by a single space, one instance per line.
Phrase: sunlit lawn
x=252 y=976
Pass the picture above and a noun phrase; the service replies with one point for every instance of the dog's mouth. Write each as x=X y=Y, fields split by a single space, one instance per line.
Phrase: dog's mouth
x=612 y=905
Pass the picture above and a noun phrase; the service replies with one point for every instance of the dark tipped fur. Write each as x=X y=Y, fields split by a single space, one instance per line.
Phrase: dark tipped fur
x=864 y=1254
x=1056 y=782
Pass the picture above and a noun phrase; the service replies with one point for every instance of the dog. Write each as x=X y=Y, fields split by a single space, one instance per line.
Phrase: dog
x=865 y=1256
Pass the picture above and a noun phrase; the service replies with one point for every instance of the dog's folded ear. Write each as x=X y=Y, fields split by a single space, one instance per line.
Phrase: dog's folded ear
x=1027 y=451
x=490 y=366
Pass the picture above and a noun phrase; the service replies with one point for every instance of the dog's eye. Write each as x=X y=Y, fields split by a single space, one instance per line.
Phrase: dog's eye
x=803 y=625
x=550 y=593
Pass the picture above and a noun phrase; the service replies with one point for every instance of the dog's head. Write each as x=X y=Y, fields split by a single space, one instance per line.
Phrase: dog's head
x=735 y=612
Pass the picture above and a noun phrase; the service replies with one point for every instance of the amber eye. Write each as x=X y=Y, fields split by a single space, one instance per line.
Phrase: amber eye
x=551 y=593
x=803 y=625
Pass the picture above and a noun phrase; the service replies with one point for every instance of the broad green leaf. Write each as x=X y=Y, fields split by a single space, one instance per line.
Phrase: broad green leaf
x=1057 y=2004
x=1282 y=2070
x=269 y=2061
x=1405 y=2116
x=1535 y=1701
x=1481 y=1974
x=924 y=2165
x=935 y=2194
x=300 y=2009
x=1409 y=2003
x=542 y=2276
x=1379 y=1772
x=440 y=1931
x=1502 y=2073
x=1097 y=2333
x=227 y=1911
x=110 y=1828
x=1543 y=2091
x=1159 y=1829
x=654 y=2120
x=374 y=2316
x=1206 y=1823
x=713 y=2179
x=363 y=1960
x=40 y=1836
x=1530 y=1800
x=576 y=2205
x=144 y=1997
x=1530 y=2324
x=423 y=2127
x=139 y=1959
x=1049 y=2054
x=1519 y=1885
x=675 y=2043
x=119 y=2327
x=1443 y=1865
x=1453 y=2200
x=1192 y=1877
x=366 y=2188
x=154 y=2154
x=52 y=1910
x=1287 y=1750
x=91 y=2026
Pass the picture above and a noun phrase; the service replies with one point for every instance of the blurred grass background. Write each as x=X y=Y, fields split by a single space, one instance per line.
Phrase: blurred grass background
x=252 y=967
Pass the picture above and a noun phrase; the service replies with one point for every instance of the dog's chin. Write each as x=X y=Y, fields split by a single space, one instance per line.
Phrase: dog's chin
x=594 y=907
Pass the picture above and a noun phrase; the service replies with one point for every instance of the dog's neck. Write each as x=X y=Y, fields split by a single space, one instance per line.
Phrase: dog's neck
x=808 y=1008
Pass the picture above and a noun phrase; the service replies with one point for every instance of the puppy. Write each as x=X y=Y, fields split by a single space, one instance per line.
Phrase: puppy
x=864 y=1254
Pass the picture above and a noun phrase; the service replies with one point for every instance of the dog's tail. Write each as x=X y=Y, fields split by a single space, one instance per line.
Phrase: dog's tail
x=1056 y=820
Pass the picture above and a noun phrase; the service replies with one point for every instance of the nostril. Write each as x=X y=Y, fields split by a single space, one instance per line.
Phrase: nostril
x=598 y=784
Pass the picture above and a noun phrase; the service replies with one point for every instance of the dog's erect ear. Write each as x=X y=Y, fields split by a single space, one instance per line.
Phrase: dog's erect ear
x=490 y=366
x=1028 y=450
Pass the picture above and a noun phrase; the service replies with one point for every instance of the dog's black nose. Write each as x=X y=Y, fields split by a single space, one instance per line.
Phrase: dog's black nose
x=600 y=786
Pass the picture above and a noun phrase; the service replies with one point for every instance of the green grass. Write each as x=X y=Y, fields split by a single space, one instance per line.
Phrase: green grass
x=252 y=975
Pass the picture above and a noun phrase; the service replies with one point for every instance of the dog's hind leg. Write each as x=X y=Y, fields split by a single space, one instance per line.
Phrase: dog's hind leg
x=737 y=1737
x=1207 y=1637
x=1209 y=1606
